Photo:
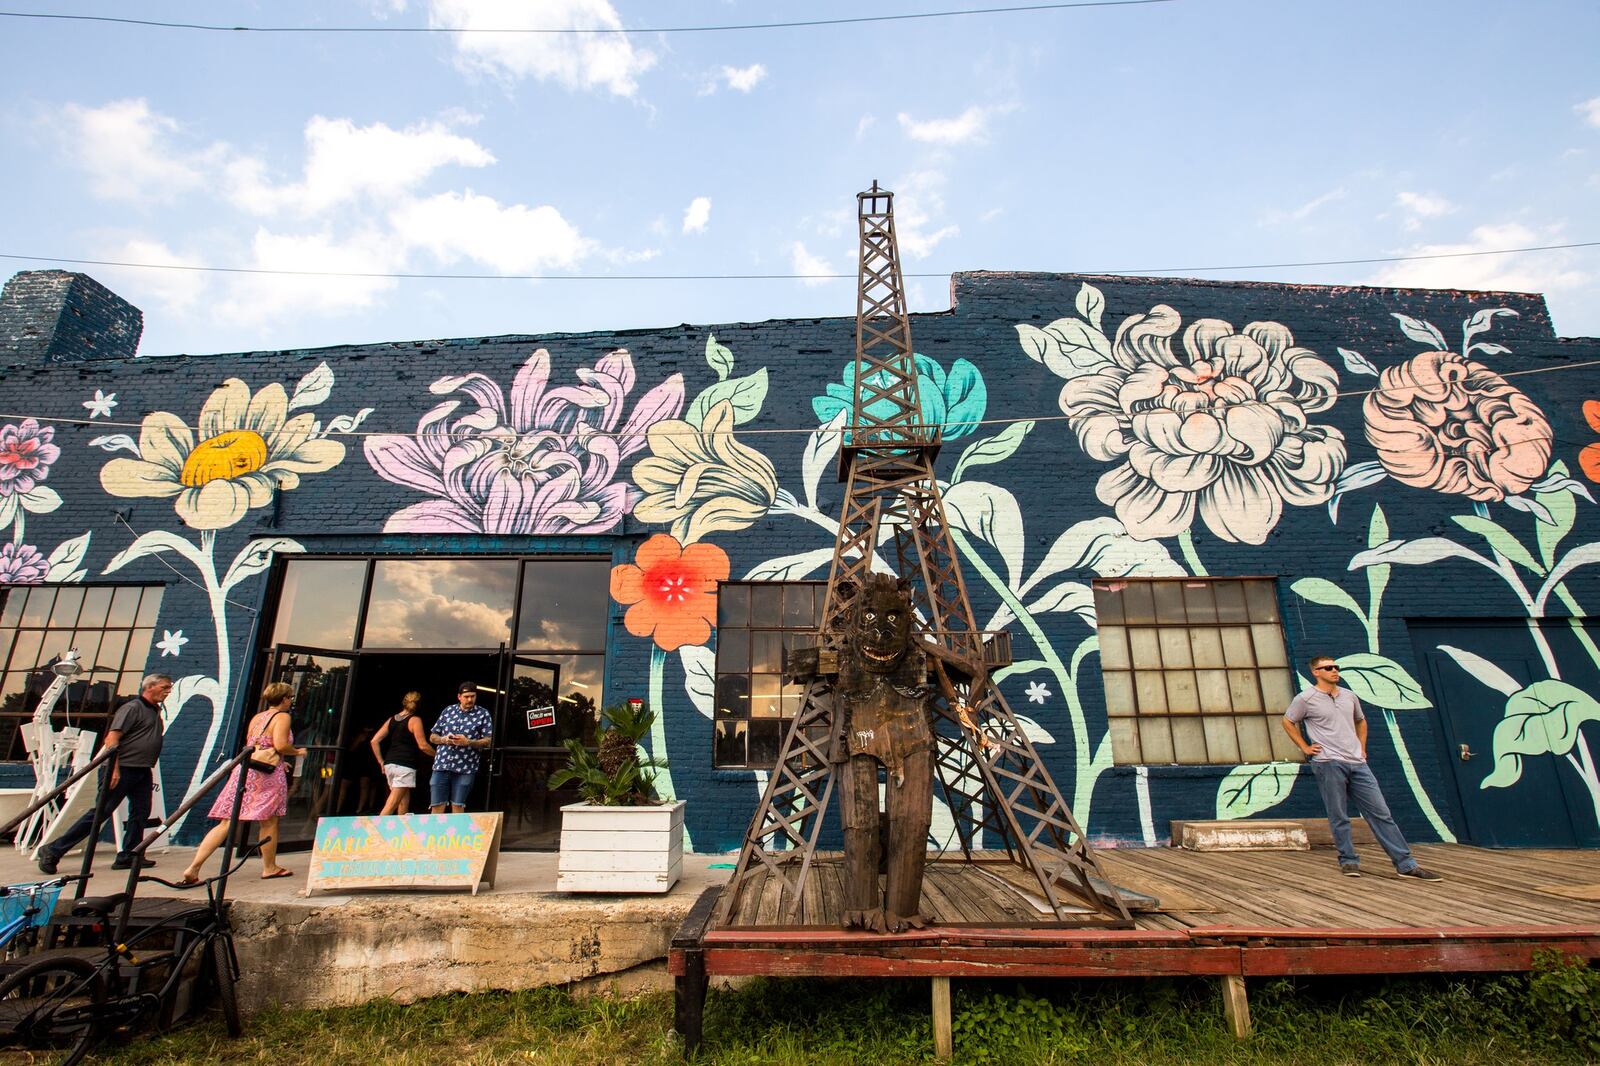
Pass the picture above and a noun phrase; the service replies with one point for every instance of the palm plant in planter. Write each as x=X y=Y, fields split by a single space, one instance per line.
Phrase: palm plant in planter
x=615 y=775
x=623 y=837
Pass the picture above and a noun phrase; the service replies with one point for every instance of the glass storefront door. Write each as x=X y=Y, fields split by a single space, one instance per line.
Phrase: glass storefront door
x=531 y=727
x=321 y=683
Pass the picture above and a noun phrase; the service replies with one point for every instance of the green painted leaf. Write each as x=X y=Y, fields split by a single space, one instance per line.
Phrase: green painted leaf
x=1563 y=508
x=992 y=449
x=718 y=357
x=1253 y=788
x=747 y=395
x=1500 y=539
x=1542 y=719
x=1381 y=681
x=1377 y=576
x=1378 y=530
x=1091 y=304
x=1320 y=590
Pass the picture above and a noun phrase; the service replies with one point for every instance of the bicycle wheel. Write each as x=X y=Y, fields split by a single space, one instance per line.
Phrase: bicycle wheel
x=217 y=956
x=53 y=998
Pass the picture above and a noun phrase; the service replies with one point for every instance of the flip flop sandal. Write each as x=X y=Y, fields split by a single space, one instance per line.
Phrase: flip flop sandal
x=280 y=873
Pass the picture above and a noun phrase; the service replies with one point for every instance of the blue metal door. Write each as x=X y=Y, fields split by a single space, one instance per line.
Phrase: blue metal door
x=1473 y=671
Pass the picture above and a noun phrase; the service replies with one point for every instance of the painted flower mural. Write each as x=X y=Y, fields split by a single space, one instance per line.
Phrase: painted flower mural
x=1444 y=422
x=1589 y=458
x=671 y=590
x=26 y=452
x=541 y=460
x=702 y=480
x=22 y=564
x=248 y=448
x=955 y=400
x=1221 y=429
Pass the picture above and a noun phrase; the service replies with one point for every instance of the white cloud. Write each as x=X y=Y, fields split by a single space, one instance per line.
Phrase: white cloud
x=971 y=125
x=697 y=215
x=743 y=79
x=1425 y=204
x=177 y=291
x=514 y=239
x=132 y=154
x=576 y=61
x=865 y=123
x=258 y=298
x=813 y=269
x=344 y=161
x=1542 y=272
x=1301 y=213
x=918 y=208
x=1590 y=110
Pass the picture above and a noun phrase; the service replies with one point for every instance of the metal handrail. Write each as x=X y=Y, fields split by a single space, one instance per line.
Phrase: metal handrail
x=198 y=794
x=78 y=775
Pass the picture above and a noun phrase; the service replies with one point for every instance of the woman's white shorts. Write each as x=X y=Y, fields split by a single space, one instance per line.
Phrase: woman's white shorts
x=400 y=776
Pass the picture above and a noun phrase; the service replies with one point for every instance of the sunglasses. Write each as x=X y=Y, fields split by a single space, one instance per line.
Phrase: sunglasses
x=1335 y=669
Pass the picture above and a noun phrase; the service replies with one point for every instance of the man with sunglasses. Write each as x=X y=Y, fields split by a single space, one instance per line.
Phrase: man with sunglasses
x=1338 y=752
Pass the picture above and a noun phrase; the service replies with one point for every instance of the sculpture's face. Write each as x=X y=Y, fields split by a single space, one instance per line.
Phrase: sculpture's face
x=881 y=621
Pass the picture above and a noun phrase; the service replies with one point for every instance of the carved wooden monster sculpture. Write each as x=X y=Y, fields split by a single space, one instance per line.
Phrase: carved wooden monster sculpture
x=882 y=717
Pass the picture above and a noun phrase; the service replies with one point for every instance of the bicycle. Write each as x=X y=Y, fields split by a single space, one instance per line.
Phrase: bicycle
x=24 y=910
x=82 y=994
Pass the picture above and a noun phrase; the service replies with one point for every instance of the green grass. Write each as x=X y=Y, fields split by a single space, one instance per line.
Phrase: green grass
x=1498 y=1020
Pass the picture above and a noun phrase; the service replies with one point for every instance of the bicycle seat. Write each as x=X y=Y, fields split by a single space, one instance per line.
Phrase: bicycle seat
x=98 y=906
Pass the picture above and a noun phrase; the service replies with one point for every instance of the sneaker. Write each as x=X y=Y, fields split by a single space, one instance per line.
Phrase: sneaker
x=48 y=861
x=1350 y=869
x=1419 y=874
x=123 y=862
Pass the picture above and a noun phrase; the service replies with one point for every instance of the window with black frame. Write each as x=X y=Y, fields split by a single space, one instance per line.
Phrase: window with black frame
x=1195 y=670
x=110 y=626
x=757 y=622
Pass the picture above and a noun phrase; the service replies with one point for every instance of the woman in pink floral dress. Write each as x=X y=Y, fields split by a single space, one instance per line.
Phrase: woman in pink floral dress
x=266 y=796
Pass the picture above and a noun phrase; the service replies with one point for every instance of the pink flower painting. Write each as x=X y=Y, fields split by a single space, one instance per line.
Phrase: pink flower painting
x=543 y=460
x=21 y=564
x=26 y=452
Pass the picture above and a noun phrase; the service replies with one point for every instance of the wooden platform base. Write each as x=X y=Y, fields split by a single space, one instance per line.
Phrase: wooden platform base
x=1231 y=915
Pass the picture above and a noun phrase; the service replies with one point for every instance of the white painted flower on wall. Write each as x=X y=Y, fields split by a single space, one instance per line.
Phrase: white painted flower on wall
x=248 y=449
x=1220 y=429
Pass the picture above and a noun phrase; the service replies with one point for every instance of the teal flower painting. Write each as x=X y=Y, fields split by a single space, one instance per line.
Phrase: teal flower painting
x=955 y=400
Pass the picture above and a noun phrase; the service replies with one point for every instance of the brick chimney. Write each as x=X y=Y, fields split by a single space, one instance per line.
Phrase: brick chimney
x=54 y=316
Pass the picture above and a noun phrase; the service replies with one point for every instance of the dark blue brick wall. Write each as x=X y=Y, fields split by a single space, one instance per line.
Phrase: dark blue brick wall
x=345 y=508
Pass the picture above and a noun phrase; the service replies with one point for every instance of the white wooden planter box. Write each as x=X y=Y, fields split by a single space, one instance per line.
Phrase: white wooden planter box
x=620 y=849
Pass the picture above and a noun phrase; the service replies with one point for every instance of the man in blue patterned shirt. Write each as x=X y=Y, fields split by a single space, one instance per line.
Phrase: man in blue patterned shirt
x=460 y=733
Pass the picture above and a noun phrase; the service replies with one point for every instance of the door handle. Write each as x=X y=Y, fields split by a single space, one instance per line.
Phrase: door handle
x=1466 y=753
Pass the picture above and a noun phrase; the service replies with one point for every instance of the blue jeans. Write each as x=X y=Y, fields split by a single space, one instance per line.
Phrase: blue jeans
x=450 y=786
x=134 y=784
x=1346 y=783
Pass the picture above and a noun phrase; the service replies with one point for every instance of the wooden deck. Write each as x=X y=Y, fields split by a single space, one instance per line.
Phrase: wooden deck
x=1232 y=915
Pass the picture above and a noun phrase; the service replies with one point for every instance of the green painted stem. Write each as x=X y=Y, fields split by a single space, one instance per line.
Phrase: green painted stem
x=1190 y=556
x=1083 y=784
x=1576 y=622
x=658 y=731
x=1410 y=772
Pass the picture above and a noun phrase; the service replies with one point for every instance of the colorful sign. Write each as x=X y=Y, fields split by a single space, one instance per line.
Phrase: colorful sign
x=539 y=717
x=405 y=851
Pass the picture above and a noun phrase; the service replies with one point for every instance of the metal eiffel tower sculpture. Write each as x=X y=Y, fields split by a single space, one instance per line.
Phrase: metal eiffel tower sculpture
x=992 y=778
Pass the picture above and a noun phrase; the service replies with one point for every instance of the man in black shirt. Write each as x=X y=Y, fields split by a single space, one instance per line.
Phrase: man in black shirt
x=135 y=736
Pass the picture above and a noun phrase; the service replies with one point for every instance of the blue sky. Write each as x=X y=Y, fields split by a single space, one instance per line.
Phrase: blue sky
x=1185 y=134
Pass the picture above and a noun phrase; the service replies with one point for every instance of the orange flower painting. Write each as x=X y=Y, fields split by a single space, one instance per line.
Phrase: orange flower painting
x=671 y=590
x=1589 y=458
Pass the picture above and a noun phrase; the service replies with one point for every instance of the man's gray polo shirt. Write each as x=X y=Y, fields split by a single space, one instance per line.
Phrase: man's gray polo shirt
x=139 y=722
x=1330 y=721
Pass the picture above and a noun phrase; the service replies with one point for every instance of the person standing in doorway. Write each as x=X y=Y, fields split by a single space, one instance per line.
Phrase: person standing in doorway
x=135 y=736
x=408 y=747
x=461 y=732
x=1338 y=752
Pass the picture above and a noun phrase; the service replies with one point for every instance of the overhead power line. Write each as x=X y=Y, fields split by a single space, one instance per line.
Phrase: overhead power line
x=423 y=276
x=581 y=30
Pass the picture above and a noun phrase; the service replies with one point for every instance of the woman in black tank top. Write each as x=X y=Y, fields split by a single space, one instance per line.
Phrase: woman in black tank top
x=406 y=748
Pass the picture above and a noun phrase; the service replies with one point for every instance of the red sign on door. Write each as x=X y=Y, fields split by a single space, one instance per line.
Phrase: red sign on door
x=539 y=717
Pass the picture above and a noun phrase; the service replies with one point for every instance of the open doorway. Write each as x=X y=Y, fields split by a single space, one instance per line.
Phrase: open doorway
x=382 y=681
